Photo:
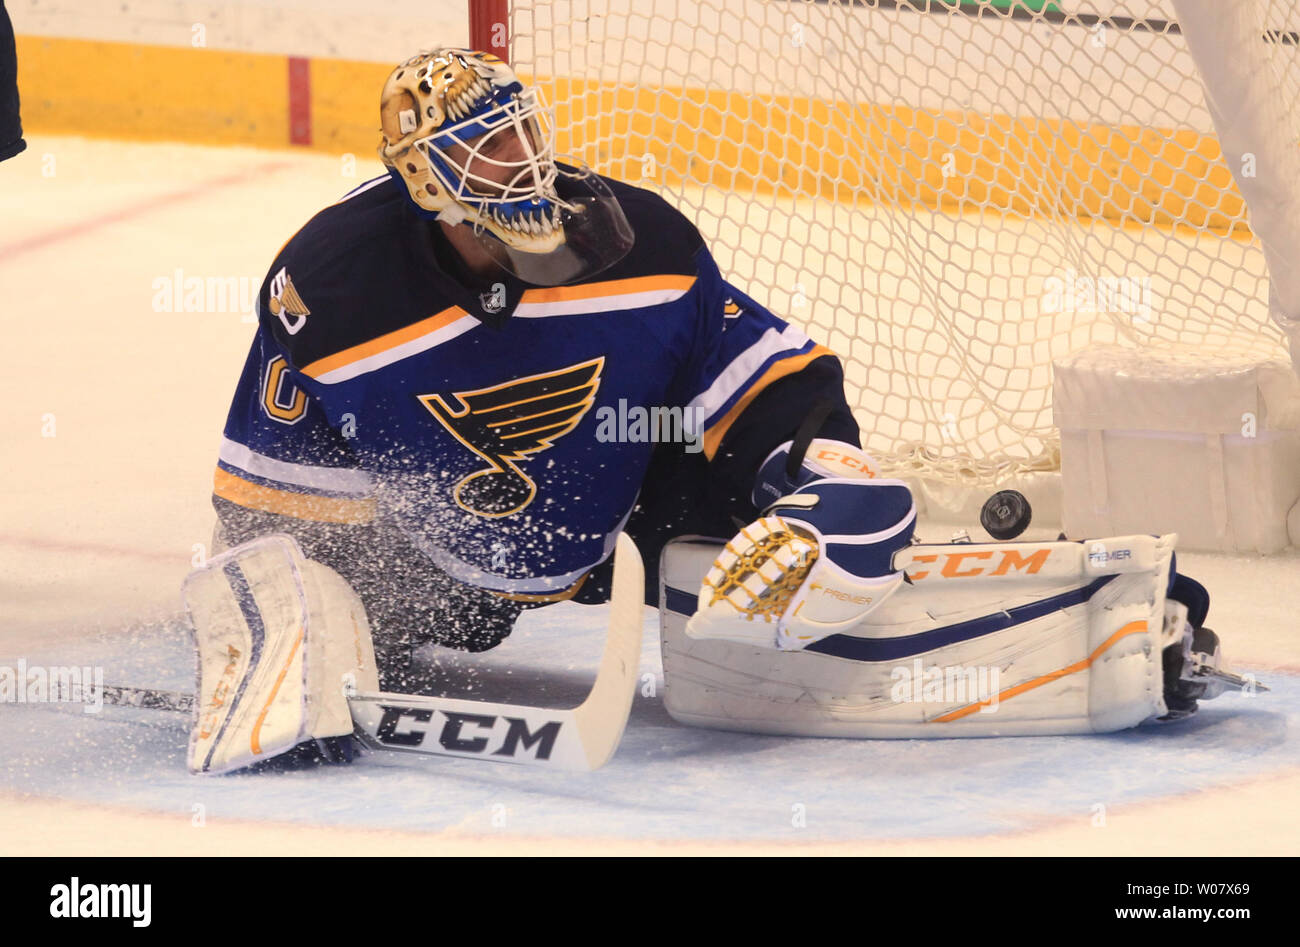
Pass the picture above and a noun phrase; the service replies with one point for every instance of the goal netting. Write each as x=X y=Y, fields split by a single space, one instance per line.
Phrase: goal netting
x=948 y=194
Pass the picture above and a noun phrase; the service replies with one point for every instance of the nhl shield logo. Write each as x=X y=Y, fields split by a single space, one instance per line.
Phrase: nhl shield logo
x=507 y=423
x=494 y=300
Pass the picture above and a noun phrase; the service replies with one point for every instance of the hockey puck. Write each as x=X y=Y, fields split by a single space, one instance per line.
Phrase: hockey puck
x=1006 y=514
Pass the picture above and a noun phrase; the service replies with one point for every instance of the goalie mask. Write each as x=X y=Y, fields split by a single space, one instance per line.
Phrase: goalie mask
x=474 y=146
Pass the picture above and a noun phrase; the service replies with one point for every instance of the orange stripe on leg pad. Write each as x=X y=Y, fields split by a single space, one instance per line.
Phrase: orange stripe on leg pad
x=255 y=742
x=1133 y=627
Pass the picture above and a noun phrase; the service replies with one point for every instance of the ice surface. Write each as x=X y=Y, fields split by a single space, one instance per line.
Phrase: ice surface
x=99 y=523
x=666 y=782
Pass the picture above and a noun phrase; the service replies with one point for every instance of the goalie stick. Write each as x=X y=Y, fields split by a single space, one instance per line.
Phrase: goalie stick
x=583 y=738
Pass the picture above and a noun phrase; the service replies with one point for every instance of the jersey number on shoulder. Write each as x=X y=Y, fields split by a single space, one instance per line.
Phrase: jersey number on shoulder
x=282 y=400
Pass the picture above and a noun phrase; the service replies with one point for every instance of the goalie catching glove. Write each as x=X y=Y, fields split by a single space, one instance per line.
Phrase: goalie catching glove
x=818 y=560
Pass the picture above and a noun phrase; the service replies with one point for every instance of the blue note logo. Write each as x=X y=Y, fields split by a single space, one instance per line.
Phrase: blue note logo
x=508 y=423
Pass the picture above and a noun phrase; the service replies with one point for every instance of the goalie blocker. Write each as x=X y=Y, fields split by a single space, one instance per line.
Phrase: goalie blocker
x=998 y=639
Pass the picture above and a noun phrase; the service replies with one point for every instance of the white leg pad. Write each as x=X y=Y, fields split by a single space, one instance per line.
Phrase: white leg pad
x=986 y=640
x=282 y=641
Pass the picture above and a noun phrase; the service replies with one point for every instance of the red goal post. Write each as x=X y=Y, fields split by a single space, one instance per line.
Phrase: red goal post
x=489 y=23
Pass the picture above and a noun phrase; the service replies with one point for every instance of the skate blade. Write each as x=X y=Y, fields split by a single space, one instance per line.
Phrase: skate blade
x=1236 y=681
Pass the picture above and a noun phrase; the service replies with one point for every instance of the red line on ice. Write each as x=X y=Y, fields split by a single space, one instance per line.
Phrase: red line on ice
x=105 y=549
x=19 y=247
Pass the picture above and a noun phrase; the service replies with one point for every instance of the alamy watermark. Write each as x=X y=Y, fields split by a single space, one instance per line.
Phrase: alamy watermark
x=637 y=424
x=951 y=684
x=57 y=684
x=1074 y=292
x=78 y=899
x=181 y=293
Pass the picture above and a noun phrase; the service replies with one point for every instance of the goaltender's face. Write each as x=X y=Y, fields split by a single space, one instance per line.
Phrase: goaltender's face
x=496 y=160
x=491 y=163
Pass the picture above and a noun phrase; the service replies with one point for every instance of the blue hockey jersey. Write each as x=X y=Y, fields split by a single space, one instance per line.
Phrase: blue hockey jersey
x=503 y=428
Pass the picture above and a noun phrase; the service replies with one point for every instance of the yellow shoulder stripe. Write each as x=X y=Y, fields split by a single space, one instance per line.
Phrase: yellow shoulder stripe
x=383 y=343
x=618 y=287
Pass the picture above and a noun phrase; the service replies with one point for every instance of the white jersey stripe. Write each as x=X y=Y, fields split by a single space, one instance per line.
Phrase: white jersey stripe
x=333 y=479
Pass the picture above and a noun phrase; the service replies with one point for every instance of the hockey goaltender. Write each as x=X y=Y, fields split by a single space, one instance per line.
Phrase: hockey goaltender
x=411 y=459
